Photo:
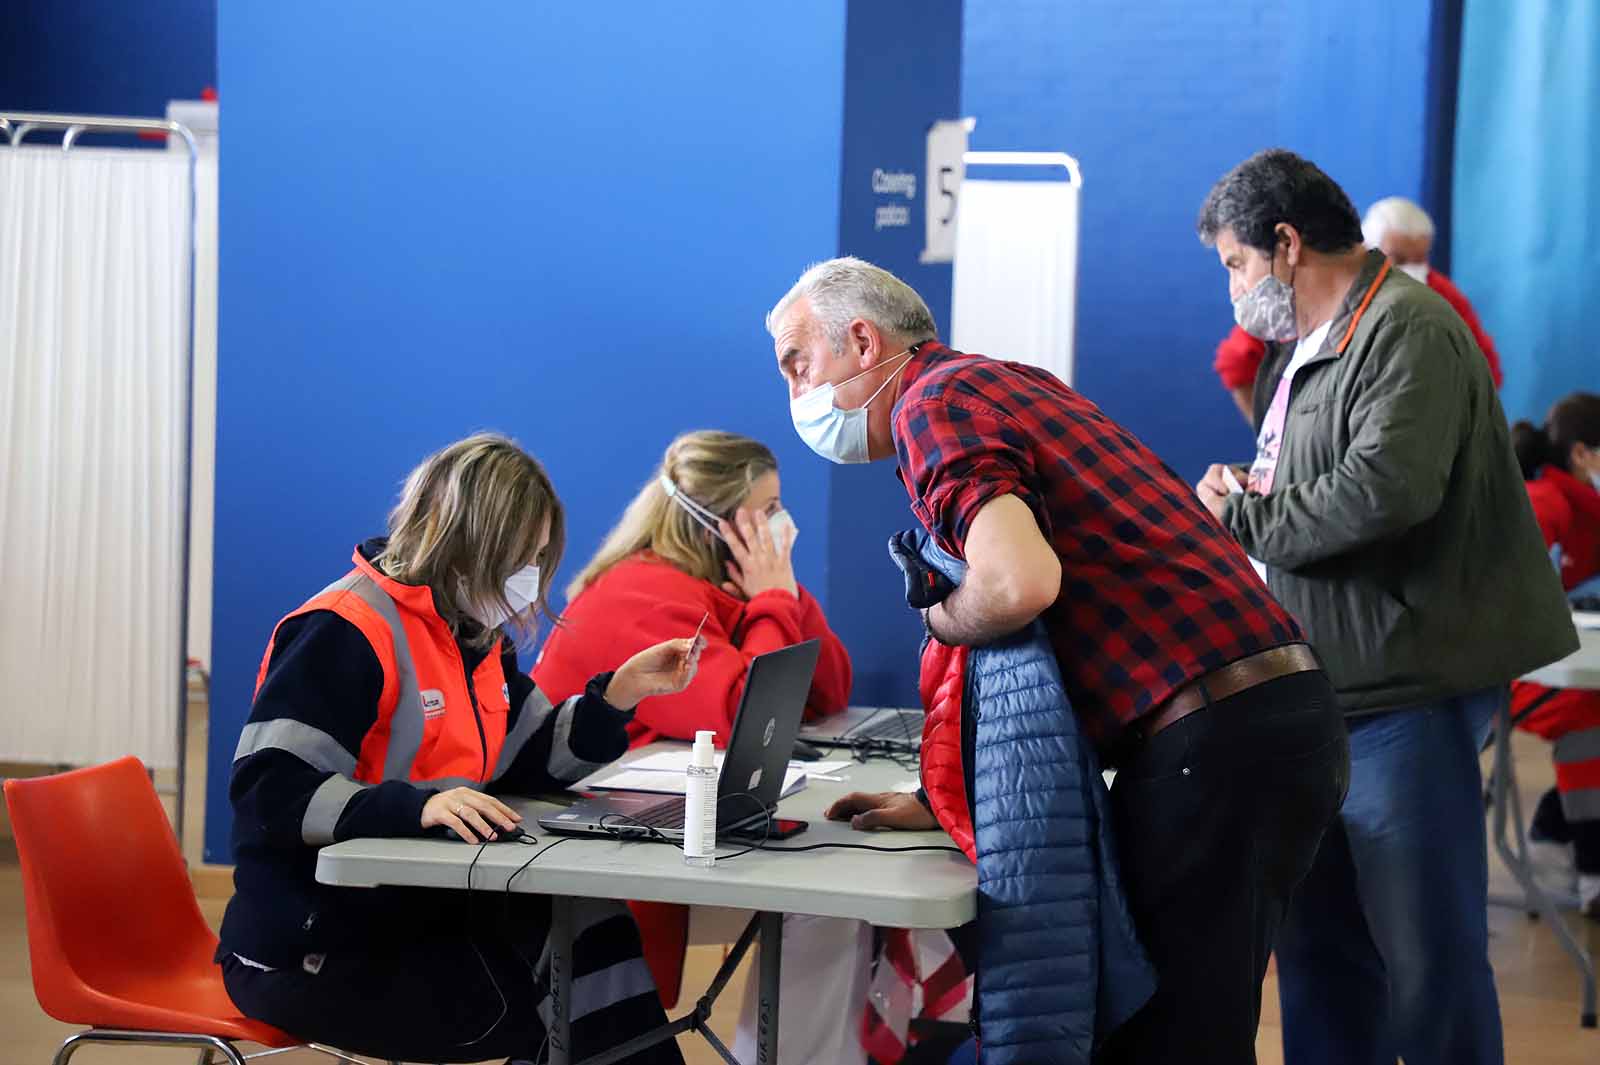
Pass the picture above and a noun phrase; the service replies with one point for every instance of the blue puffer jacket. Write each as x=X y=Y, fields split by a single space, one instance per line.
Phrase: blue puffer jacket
x=1059 y=964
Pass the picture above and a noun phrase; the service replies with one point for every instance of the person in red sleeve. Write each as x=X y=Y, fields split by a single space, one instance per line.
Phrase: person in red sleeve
x=708 y=537
x=1561 y=462
x=1401 y=230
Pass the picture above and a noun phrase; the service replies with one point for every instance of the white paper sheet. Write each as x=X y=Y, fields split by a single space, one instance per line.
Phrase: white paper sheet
x=668 y=783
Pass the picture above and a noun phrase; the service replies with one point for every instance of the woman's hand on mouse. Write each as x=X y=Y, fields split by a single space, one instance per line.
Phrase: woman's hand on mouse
x=760 y=563
x=665 y=669
x=472 y=815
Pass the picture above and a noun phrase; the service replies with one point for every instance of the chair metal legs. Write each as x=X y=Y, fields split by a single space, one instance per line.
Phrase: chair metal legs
x=210 y=1046
x=214 y=1050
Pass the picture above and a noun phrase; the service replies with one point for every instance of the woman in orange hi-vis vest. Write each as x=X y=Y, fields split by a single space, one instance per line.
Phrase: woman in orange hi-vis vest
x=390 y=704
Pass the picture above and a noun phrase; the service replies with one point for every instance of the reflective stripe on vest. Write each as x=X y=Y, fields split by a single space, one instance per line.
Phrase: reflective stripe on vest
x=405 y=721
x=392 y=747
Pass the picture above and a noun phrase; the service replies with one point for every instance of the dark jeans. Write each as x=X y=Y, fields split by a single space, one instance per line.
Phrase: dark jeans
x=1218 y=817
x=470 y=997
x=1385 y=951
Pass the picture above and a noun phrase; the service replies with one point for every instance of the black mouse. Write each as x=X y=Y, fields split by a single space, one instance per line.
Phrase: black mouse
x=503 y=835
x=512 y=835
x=804 y=752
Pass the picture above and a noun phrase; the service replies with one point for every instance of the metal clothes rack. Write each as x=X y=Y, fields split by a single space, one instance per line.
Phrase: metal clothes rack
x=16 y=125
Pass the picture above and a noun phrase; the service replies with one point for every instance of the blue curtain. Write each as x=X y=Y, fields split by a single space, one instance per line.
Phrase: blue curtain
x=1527 y=170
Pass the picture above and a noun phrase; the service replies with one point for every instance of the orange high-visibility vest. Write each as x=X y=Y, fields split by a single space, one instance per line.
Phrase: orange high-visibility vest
x=436 y=725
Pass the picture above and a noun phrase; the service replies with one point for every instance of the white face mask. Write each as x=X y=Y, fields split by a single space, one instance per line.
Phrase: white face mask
x=1416 y=270
x=837 y=435
x=779 y=524
x=522 y=591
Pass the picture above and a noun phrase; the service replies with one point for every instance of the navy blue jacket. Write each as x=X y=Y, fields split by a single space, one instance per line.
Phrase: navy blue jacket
x=1059 y=963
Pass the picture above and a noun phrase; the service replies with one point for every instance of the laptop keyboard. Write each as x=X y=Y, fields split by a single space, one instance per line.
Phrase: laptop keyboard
x=889 y=725
x=661 y=815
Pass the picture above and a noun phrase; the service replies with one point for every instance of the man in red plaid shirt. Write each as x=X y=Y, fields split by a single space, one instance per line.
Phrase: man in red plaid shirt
x=1177 y=662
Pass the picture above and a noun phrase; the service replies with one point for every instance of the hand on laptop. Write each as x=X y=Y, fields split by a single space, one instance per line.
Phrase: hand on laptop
x=665 y=669
x=884 y=809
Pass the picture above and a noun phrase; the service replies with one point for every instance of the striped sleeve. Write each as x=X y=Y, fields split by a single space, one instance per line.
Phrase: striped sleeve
x=549 y=747
x=292 y=783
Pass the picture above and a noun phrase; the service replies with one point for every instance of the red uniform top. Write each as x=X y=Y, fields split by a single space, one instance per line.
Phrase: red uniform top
x=644 y=600
x=1568 y=511
x=1239 y=355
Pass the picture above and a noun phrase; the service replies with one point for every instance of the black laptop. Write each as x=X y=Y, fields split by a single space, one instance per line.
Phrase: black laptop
x=751 y=781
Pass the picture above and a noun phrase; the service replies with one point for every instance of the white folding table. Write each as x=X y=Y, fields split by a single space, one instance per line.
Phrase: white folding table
x=919 y=889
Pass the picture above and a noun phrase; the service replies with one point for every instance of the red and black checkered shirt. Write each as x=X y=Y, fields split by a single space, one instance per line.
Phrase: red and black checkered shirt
x=1154 y=591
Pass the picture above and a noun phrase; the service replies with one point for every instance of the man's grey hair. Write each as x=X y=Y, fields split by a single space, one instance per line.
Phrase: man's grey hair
x=1395 y=214
x=842 y=290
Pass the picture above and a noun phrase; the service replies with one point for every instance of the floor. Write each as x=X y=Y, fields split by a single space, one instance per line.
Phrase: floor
x=1538 y=985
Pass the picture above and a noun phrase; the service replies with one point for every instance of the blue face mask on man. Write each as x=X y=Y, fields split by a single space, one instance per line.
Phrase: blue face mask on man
x=835 y=434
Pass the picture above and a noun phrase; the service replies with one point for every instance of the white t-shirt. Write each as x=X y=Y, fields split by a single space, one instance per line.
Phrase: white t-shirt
x=1269 y=442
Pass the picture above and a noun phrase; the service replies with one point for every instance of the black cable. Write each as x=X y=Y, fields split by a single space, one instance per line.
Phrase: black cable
x=511 y=939
x=766 y=833
x=859 y=847
x=505 y=1007
x=651 y=833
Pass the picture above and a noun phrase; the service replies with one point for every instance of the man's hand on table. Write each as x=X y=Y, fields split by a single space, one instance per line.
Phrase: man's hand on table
x=884 y=809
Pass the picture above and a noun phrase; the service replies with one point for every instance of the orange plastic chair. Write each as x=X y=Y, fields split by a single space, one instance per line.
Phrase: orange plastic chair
x=115 y=934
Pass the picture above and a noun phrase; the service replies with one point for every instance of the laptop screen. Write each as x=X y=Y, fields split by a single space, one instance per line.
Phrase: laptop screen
x=764 y=731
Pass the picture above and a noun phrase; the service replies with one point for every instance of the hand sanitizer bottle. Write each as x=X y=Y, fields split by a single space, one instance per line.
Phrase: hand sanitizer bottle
x=700 y=804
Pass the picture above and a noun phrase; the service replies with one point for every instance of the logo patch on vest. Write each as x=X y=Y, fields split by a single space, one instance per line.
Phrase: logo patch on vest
x=505 y=693
x=432 y=703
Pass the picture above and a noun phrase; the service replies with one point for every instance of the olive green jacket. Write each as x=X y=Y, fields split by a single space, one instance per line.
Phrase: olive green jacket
x=1398 y=530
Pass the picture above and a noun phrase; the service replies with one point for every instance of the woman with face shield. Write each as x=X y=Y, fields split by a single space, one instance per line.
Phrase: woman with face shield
x=707 y=538
x=390 y=705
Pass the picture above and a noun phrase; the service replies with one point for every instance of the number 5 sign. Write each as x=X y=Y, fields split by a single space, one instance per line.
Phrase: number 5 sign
x=947 y=143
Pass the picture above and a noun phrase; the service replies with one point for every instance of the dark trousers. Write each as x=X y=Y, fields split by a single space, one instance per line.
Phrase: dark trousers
x=1218 y=818
x=1550 y=823
x=473 y=996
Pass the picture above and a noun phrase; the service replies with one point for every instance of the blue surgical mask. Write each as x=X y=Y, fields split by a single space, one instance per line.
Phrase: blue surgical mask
x=837 y=435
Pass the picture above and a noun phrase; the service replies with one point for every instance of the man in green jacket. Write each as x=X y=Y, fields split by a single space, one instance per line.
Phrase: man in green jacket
x=1385 y=510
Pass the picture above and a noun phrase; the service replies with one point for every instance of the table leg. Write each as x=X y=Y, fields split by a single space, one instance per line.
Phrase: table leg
x=1536 y=900
x=560 y=980
x=771 y=969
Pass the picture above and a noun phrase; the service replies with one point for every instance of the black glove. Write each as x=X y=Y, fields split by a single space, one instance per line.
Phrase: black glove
x=925 y=586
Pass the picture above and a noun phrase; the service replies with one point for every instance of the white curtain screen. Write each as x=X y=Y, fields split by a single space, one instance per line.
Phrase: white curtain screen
x=1016 y=272
x=94 y=273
